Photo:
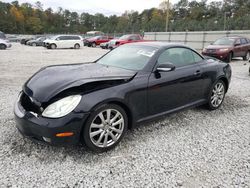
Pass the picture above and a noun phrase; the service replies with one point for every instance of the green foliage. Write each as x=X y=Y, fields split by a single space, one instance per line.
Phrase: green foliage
x=185 y=15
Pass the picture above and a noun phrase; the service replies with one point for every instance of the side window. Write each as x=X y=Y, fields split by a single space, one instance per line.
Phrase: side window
x=179 y=57
x=75 y=38
x=243 y=41
x=134 y=38
x=197 y=57
x=237 y=42
x=69 y=37
x=63 y=38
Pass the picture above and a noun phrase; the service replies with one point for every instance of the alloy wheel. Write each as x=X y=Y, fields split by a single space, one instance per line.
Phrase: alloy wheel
x=53 y=46
x=218 y=94
x=248 y=56
x=2 y=46
x=106 y=128
x=77 y=46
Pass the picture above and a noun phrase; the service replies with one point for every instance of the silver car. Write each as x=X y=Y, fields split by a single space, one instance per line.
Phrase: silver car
x=4 y=44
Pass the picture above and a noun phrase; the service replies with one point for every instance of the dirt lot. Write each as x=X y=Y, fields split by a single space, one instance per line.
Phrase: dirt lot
x=193 y=148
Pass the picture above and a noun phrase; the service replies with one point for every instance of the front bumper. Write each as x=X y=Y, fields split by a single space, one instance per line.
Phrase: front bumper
x=44 y=130
x=221 y=56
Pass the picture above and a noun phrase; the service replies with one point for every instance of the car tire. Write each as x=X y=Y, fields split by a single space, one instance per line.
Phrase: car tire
x=33 y=44
x=3 y=46
x=76 y=46
x=229 y=57
x=93 y=44
x=104 y=128
x=216 y=95
x=247 y=56
x=53 y=46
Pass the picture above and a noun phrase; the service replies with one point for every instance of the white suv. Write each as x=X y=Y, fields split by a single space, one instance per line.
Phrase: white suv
x=64 y=41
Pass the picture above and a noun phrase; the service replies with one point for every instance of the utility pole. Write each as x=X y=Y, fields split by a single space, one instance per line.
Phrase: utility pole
x=167 y=14
x=226 y=14
x=225 y=20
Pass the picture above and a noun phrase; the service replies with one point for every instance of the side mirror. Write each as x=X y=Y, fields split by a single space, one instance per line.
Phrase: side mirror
x=167 y=67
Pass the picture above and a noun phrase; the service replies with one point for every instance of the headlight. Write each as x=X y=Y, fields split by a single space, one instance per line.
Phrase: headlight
x=62 y=107
x=223 y=49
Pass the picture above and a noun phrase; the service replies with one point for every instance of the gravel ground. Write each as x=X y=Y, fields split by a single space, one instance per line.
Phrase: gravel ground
x=192 y=148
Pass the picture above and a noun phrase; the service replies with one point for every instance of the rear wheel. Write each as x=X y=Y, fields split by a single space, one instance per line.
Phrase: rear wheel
x=76 y=46
x=33 y=44
x=53 y=46
x=3 y=46
x=93 y=44
x=216 y=95
x=247 y=56
x=105 y=128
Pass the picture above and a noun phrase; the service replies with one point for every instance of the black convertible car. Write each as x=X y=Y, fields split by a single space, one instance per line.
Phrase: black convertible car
x=95 y=103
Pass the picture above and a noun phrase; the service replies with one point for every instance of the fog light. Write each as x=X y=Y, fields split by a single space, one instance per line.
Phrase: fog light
x=47 y=139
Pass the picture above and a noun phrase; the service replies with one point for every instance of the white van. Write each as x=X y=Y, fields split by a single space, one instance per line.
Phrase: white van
x=64 y=41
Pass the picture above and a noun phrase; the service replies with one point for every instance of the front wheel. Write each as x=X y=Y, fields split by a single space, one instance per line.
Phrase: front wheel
x=105 y=128
x=76 y=46
x=247 y=56
x=93 y=45
x=3 y=46
x=33 y=44
x=52 y=46
x=216 y=95
x=229 y=57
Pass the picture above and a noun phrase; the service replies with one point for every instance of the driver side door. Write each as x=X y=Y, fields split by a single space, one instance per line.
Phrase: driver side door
x=182 y=86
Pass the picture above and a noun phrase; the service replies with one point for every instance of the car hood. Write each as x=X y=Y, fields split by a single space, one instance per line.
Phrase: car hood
x=218 y=46
x=52 y=80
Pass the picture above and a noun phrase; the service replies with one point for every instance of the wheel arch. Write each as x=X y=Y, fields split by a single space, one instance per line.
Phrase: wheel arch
x=123 y=105
x=3 y=45
x=52 y=44
x=225 y=80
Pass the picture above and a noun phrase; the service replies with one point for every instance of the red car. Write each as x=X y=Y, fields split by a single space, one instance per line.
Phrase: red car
x=125 y=39
x=95 y=41
x=227 y=48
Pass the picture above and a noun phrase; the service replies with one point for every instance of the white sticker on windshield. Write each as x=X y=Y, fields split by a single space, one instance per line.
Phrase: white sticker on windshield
x=146 y=53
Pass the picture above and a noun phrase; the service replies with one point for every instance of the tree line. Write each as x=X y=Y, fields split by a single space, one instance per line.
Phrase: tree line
x=185 y=15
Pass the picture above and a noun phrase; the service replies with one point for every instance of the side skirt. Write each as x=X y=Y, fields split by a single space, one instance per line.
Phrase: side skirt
x=190 y=105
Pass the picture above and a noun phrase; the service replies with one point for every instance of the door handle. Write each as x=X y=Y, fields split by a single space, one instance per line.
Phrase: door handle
x=197 y=73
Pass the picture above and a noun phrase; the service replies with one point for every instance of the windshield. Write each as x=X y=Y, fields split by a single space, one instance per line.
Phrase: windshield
x=129 y=57
x=224 y=41
x=54 y=37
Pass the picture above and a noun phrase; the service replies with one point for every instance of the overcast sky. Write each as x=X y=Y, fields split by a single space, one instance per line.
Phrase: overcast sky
x=106 y=7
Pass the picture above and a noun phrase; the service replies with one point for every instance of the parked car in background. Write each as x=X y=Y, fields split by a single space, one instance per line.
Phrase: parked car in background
x=125 y=39
x=227 y=48
x=2 y=35
x=95 y=103
x=36 y=42
x=25 y=40
x=64 y=41
x=95 y=41
x=105 y=45
x=13 y=38
x=4 y=44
